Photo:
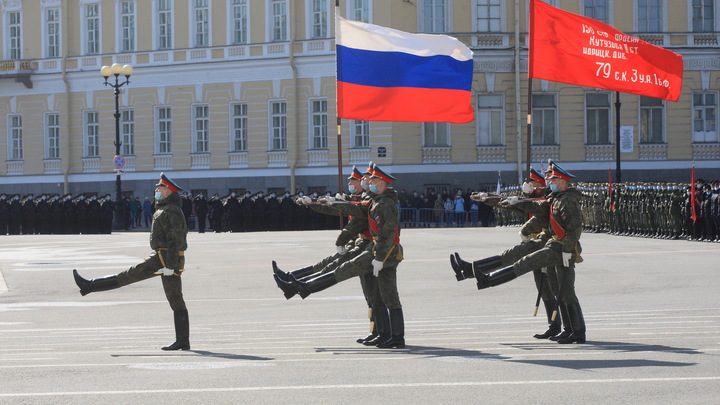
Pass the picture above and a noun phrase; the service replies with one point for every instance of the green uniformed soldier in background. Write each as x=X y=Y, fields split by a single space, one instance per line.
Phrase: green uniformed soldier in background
x=168 y=241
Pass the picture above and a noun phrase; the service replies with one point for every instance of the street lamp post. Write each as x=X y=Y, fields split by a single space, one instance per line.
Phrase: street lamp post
x=126 y=71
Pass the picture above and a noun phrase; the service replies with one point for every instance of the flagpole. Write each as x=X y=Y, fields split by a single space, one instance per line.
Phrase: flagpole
x=528 y=153
x=339 y=135
x=617 y=138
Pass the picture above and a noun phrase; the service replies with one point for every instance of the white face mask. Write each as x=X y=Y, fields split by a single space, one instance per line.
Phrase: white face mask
x=158 y=196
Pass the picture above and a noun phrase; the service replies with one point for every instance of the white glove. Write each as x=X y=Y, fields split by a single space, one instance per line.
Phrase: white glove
x=528 y=188
x=326 y=200
x=566 y=259
x=523 y=237
x=166 y=272
x=339 y=197
x=377 y=266
x=512 y=200
x=479 y=196
x=341 y=250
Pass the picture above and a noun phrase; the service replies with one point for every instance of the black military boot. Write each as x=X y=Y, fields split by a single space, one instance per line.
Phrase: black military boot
x=306 y=287
x=289 y=289
x=495 y=278
x=373 y=328
x=382 y=324
x=465 y=270
x=567 y=328
x=578 y=325
x=182 y=331
x=554 y=327
x=397 y=327
x=96 y=284
x=285 y=275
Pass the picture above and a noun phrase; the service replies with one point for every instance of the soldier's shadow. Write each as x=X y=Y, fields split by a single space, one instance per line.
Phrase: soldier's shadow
x=424 y=351
x=200 y=353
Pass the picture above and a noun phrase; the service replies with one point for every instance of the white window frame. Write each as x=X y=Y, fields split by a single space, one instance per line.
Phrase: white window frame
x=316 y=27
x=595 y=110
x=716 y=18
x=163 y=130
x=127 y=131
x=52 y=135
x=52 y=32
x=421 y=9
x=318 y=122
x=538 y=119
x=705 y=136
x=201 y=128
x=277 y=125
x=15 y=137
x=663 y=16
x=91 y=134
x=363 y=7
x=481 y=138
x=283 y=27
x=435 y=143
x=206 y=39
x=476 y=16
x=126 y=33
x=159 y=27
x=360 y=131
x=609 y=4
x=13 y=37
x=91 y=38
x=662 y=112
x=233 y=22
x=239 y=127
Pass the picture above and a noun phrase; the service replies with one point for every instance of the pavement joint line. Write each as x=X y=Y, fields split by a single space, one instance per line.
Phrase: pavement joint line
x=366 y=386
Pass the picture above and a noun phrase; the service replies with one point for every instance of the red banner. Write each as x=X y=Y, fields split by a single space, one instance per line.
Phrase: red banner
x=569 y=48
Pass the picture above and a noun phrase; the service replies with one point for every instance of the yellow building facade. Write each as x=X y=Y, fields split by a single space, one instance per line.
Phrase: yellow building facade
x=240 y=95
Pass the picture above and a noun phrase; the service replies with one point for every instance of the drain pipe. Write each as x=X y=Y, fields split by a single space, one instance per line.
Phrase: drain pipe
x=291 y=51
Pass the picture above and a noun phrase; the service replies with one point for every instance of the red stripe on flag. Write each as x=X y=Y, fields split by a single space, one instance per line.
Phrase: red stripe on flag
x=569 y=48
x=403 y=104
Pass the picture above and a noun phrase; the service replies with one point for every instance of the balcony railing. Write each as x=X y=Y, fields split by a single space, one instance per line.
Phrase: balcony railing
x=706 y=151
x=51 y=166
x=541 y=153
x=359 y=156
x=199 y=160
x=317 y=157
x=238 y=160
x=487 y=153
x=15 y=167
x=437 y=154
x=277 y=158
x=91 y=164
x=653 y=151
x=599 y=152
x=162 y=162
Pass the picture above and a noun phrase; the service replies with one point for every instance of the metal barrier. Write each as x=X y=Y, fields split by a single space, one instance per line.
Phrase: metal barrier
x=436 y=218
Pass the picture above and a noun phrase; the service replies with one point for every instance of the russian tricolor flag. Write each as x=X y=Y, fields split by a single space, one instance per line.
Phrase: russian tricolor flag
x=389 y=75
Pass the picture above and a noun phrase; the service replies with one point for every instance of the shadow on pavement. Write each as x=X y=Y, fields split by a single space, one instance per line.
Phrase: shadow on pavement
x=201 y=353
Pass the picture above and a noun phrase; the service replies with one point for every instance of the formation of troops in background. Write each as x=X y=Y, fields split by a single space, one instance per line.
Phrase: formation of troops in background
x=658 y=210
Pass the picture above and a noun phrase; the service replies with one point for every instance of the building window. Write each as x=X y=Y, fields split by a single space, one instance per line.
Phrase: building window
x=359 y=10
x=597 y=118
x=278 y=122
x=597 y=10
x=14 y=33
x=239 y=21
x=703 y=12
x=164 y=24
x=651 y=120
x=127 y=132
x=52 y=136
x=544 y=111
x=434 y=15
x=92 y=29
x=52 y=32
x=15 y=131
x=705 y=112
x=239 y=127
x=127 y=26
x=201 y=133
x=650 y=18
x=319 y=19
x=201 y=18
x=436 y=134
x=278 y=23
x=92 y=134
x=359 y=134
x=490 y=120
x=319 y=124
x=163 y=118
x=489 y=16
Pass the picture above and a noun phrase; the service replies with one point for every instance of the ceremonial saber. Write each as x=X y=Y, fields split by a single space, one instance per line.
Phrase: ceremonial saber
x=540 y=289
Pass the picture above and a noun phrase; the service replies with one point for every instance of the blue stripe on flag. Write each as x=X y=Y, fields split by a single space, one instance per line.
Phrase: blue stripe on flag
x=398 y=69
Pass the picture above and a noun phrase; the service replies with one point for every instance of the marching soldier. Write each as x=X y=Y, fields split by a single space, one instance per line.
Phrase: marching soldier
x=168 y=235
x=563 y=219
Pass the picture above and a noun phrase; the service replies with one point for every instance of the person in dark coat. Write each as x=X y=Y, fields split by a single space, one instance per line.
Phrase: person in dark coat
x=4 y=210
x=14 y=215
x=28 y=215
x=201 y=210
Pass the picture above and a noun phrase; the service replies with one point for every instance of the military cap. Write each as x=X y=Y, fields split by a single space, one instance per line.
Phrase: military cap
x=534 y=175
x=355 y=174
x=559 y=172
x=550 y=165
x=369 y=170
x=381 y=174
x=166 y=182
